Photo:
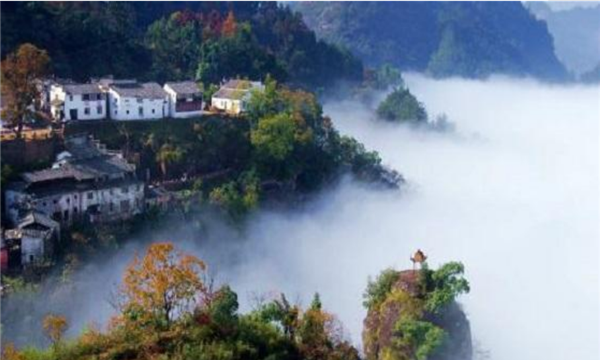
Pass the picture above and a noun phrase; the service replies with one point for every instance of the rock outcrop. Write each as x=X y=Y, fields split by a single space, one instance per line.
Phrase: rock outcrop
x=383 y=338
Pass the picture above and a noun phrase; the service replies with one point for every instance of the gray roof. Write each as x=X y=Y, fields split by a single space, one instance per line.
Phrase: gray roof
x=236 y=89
x=36 y=217
x=150 y=90
x=88 y=160
x=79 y=89
x=184 y=87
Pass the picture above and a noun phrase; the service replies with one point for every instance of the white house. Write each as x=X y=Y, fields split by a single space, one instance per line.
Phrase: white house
x=233 y=96
x=137 y=101
x=185 y=99
x=77 y=102
x=87 y=182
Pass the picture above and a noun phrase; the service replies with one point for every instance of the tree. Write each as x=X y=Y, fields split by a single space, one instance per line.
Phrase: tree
x=164 y=284
x=20 y=72
x=422 y=338
x=229 y=25
x=400 y=105
x=443 y=285
x=55 y=327
x=274 y=137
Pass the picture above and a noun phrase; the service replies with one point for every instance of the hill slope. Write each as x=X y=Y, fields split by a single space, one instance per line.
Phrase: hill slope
x=472 y=39
x=576 y=34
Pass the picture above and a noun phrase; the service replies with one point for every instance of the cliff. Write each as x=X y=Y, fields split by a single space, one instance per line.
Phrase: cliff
x=401 y=323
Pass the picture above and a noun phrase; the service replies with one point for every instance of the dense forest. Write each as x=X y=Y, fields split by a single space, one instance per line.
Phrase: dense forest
x=469 y=39
x=178 y=40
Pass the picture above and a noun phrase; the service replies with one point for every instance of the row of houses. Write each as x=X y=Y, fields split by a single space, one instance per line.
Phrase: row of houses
x=126 y=100
x=86 y=183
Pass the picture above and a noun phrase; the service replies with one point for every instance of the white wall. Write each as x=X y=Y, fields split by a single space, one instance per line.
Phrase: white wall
x=32 y=249
x=125 y=109
x=97 y=108
x=228 y=105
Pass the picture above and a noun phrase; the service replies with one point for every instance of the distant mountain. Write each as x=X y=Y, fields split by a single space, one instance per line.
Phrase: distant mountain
x=470 y=39
x=592 y=76
x=576 y=33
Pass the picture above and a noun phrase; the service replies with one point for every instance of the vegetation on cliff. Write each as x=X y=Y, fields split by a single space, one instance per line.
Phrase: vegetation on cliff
x=284 y=144
x=413 y=315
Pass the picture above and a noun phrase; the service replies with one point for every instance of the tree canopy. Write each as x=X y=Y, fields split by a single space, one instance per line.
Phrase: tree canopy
x=402 y=106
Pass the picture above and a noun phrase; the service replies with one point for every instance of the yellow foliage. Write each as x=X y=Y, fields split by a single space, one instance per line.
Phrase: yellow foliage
x=10 y=352
x=162 y=284
x=54 y=327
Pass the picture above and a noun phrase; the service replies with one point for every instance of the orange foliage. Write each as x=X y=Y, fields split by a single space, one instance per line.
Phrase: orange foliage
x=54 y=327
x=229 y=25
x=10 y=352
x=19 y=72
x=163 y=284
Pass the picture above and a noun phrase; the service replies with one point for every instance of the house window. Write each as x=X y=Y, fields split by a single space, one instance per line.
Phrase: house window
x=127 y=112
x=68 y=200
x=66 y=215
x=70 y=97
x=86 y=97
x=86 y=111
x=153 y=111
x=99 y=109
x=115 y=112
x=44 y=203
x=75 y=210
x=75 y=196
x=90 y=195
x=141 y=111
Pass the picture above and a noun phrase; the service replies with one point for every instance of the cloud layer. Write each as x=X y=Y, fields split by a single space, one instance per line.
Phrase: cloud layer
x=513 y=194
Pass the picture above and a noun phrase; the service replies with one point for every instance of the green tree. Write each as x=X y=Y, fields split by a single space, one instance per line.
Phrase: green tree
x=400 y=105
x=175 y=47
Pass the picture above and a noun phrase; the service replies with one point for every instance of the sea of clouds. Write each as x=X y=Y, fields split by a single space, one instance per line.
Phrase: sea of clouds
x=513 y=193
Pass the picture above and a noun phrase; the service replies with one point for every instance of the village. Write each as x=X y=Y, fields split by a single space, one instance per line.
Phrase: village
x=86 y=182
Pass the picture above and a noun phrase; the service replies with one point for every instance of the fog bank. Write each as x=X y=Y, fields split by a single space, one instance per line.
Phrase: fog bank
x=513 y=194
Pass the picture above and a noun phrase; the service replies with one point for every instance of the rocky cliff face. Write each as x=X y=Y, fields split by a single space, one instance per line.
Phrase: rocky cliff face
x=383 y=338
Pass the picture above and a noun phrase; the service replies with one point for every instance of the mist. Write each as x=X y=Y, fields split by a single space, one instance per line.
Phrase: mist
x=513 y=194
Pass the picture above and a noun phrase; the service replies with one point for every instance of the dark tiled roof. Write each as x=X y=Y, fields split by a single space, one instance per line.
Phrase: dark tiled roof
x=36 y=217
x=79 y=89
x=184 y=87
x=149 y=90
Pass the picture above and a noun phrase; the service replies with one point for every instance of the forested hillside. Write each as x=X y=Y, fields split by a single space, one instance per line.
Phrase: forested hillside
x=180 y=40
x=473 y=39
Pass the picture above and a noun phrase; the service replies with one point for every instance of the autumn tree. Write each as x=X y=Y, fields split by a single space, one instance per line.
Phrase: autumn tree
x=20 y=93
x=229 y=25
x=10 y=352
x=162 y=285
x=54 y=327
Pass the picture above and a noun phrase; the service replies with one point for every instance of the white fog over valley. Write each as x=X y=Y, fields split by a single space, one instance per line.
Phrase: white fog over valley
x=513 y=194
